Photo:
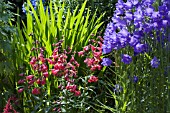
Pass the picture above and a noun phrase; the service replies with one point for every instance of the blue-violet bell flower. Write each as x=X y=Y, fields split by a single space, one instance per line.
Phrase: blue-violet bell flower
x=126 y=59
x=155 y=62
x=135 y=79
x=106 y=62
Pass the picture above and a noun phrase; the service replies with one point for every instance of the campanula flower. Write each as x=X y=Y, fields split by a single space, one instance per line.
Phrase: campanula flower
x=106 y=62
x=135 y=79
x=155 y=62
x=126 y=59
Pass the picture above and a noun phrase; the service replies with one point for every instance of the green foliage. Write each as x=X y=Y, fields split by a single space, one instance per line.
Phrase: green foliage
x=5 y=37
x=74 y=28
x=48 y=27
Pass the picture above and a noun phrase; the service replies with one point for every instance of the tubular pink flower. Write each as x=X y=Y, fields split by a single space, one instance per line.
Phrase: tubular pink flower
x=20 y=90
x=93 y=79
x=29 y=77
x=21 y=81
x=77 y=93
x=36 y=91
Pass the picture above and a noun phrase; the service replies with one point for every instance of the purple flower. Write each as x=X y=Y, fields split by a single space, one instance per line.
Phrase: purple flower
x=118 y=88
x=106 y=62
x=132 y=27
x=155 y=62
x=126 y=59
x=135 y=79
x=133 y=41
x=139 y=48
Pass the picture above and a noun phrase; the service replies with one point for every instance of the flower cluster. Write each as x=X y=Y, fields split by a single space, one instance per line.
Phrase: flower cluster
x=8 y=107
x=93 y=61
x=60 y=67
x=94 y=52
x=93 y=79
x=134 y=23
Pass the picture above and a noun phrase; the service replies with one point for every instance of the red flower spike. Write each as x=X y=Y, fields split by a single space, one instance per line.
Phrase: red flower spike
x=89 y=61
x=77 y=64
x=93 y=68
x=8 y=107
x=36 y=91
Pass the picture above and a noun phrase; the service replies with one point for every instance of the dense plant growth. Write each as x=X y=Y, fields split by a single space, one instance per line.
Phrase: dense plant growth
x=59 y=60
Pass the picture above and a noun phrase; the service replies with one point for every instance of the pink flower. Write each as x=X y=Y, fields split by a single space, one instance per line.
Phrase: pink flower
x=93 y=48
x=93 y=79
x=88 y=61
x=77 y=93
x=29 y=77
x=33 y=60
x=45 y=74
x=86 y=48
x=31 y=82
x=20 y=90
x=97 y=54
x=59 y=66
x=81 y=53
x=21 y=81
x=36 y=91
x=54 y=71
x=51 y=61
x=100 y=43
x=73 y=88
x=44 y=68
x=38 y=81
x=21 y=74
x=43 y=82
x=55 y=56
x=72 y=58
x=8 y=107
